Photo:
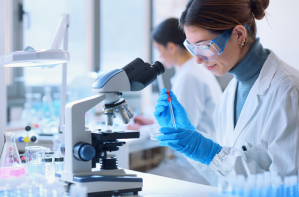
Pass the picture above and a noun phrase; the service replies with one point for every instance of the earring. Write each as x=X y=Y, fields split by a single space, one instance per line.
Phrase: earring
x=243 y=43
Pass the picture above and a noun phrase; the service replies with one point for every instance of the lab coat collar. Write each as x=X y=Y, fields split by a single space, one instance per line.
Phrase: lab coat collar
x=267 y=73
x=252 y=102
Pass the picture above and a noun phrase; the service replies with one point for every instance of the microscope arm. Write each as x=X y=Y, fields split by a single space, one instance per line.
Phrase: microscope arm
x=75 y=130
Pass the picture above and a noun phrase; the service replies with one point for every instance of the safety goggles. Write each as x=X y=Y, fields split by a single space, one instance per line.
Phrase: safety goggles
x=210 y=49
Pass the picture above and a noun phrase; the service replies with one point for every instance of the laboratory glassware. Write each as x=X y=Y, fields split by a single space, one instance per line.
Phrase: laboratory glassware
x=59 y=163
x=35 y=160
x=154 y=135
x=10 y=162
x=49 y=168
x=171 y=110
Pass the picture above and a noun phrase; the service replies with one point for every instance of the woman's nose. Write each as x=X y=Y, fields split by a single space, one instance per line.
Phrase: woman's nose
x=199 y=60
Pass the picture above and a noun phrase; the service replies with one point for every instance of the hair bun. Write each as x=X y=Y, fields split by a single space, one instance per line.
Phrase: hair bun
x=258 y=8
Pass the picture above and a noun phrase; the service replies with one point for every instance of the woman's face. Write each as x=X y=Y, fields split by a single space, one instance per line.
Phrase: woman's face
x=226 y=60
x=166 y=55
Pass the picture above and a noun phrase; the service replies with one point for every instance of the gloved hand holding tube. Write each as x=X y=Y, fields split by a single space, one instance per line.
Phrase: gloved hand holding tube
x=162 y=112
x=184 y=138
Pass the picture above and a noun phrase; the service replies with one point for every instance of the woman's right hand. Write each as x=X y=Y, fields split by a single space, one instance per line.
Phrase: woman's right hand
x=162 y=113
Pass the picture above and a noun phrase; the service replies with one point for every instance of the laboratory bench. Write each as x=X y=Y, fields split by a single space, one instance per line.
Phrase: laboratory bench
x=154 y=184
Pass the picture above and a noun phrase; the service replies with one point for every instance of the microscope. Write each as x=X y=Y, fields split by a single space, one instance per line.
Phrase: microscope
x=85 y=148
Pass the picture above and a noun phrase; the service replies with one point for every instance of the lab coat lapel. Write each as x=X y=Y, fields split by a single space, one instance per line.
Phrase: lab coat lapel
x=249 y=109
x=253 y=102
x=230 y=113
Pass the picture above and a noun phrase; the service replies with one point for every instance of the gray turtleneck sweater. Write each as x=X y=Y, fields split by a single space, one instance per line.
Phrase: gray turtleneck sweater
x=246 y=73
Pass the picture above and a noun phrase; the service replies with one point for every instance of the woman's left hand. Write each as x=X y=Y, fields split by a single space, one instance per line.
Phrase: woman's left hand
x=189 y=142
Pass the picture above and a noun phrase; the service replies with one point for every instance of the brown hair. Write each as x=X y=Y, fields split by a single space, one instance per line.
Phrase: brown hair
x=220 y=15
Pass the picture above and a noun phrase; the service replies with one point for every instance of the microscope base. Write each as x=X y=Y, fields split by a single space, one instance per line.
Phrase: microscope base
x=110 y=193
x=105 y=185
x=101 y=185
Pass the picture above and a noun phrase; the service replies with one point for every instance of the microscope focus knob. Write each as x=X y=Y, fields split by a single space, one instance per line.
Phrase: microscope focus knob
x=84 y=151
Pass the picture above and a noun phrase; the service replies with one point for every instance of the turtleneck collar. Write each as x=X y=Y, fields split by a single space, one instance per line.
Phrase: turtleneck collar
x=251 y=64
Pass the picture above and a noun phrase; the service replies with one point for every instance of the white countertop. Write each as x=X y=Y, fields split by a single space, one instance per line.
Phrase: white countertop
x=153 y=184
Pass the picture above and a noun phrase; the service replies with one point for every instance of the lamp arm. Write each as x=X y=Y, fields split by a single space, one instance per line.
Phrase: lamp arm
x=63 y=87
x=63 y=25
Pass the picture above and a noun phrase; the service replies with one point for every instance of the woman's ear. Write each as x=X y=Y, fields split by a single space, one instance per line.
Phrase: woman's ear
x=240 y=33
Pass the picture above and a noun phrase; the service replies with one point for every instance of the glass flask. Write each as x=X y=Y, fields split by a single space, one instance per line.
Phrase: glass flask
x=10 y=162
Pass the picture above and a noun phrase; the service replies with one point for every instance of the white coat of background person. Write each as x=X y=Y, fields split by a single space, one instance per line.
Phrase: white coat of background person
x=189 y=78
x=264 y=134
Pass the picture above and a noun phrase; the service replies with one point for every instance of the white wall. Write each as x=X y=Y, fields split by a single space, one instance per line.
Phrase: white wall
x=2 y=73
x=280 y=30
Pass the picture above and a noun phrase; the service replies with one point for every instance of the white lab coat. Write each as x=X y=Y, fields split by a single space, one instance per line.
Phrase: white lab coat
x=268 y=126
x=198 y=90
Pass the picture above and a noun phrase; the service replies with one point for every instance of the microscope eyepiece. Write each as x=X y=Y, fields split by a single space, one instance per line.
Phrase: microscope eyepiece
x=142 y=74
x=160 y=68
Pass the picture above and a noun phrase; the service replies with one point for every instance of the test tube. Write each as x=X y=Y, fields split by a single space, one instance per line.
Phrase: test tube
x=154 y=135
x=171 y=110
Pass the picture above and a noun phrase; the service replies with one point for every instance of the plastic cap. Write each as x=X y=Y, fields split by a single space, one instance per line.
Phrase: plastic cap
x=59 y=159
x=169 y=97
x=48 y=159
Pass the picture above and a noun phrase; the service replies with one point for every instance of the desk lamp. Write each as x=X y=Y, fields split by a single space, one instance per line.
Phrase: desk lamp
x=31 y=57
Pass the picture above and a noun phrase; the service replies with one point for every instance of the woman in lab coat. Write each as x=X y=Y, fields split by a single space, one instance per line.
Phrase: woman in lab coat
x=189 y=77
x=257 y=118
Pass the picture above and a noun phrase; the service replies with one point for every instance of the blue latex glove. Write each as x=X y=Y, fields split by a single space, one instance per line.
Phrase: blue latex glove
x=162 y=113
x=190 y=143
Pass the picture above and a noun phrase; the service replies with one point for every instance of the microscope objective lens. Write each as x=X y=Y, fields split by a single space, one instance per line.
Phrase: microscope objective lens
x=109 y=128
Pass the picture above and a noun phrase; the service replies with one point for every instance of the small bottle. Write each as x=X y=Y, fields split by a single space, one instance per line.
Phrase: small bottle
x=240 y=185
x=222 y=185
x=59 y=164
x=266 y=190
x=249 y=185
x=293 y=189
x=49 y=168
x=2 y=186
x=258 y=185
x=231 y=189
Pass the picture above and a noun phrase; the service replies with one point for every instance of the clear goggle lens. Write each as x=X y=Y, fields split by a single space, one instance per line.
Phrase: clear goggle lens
x=210 y=49
x=206 y=50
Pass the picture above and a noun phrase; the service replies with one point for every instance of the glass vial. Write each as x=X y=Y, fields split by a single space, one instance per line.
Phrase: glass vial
x=59 y=163
x=49 y=168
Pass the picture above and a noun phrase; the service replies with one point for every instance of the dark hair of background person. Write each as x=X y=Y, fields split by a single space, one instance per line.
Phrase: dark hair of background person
x=169 y=31
x=220 y=15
